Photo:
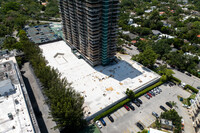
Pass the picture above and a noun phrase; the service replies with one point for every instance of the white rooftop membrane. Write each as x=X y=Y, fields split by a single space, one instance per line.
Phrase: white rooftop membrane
x=100 y=86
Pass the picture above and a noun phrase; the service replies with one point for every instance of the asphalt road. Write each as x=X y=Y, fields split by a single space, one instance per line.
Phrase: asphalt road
x=193 y=81
x=125 y=120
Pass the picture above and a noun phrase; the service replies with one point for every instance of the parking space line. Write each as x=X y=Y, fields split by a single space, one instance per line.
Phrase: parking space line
x=107 y=120
x=123 y=110
x=118 y=113
x=115 y=115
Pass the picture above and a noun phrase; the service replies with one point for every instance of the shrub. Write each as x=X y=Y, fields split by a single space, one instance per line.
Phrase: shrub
x=191 y=88
x=109 y=111
x=175 y=79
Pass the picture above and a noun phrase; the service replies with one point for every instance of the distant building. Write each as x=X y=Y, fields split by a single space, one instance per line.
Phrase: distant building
x=156 y=32
x=130 y=21
x=151 y=130
x=135 y=25
x=148 y=11
x=166 y=124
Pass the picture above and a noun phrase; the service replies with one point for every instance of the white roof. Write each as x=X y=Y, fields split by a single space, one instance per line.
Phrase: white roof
x=100 y=86
x=21 y=122
x=151 y=130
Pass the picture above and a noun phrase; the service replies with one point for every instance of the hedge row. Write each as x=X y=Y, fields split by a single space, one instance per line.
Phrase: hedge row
x=148 y=89
x=176 y=79
x=112 y=109
x=191 y=88
x=109 y=111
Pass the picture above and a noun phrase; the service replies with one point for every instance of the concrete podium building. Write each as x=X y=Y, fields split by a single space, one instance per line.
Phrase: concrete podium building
x=90 y=28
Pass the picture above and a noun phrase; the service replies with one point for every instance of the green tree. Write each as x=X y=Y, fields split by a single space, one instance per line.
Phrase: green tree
x=163 y=70
x=174 y=117
x=130 y=93
x=147 y=58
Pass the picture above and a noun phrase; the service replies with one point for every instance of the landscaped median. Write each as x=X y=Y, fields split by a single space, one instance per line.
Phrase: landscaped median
x=191 y=88
x=175 y=80
x=120 y=104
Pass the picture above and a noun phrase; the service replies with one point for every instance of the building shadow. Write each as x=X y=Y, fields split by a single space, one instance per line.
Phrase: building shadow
x=36 y=109
x=119 y=71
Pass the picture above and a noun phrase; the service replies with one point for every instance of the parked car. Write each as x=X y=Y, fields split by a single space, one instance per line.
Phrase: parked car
x=131 y=106
x=163 y=108
x=98 y=124
x=126 y=107
x=189 y=74
x=155 y=114
x=140 y=126
x=198 y=87
x=110 y=118
x=155 y=91
x=159 y=89
x=102 y=121
x=149 y=95
x=169 y=104
x=140 y=101
x=136 y=102
x=152 y=93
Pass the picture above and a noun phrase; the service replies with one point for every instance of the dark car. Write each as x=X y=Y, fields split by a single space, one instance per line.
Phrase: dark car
x=140 y=101
x=126 y=107
x=169 y=104
x=155 y=114
x=136 y=103
x=198 y=87
x=189 y=74
x=148 y=97
x=131 y=106
x=110 y=118
x=140 y=126
x=152 y=93
x=102 y=121
x=163 y=108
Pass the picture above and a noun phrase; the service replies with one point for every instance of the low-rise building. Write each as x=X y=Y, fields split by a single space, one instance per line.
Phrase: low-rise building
x=167 y=124
x=17 y=115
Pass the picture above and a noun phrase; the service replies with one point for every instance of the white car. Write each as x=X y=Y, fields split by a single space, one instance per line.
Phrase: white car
x=98 y=124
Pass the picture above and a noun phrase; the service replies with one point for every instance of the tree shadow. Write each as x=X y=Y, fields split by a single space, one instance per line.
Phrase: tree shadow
x=36 y=109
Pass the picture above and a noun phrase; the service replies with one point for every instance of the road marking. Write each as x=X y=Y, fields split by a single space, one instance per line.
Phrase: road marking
x=118 y=114
x=115 y=115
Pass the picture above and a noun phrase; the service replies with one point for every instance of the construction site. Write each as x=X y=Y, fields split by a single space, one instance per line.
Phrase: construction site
x=101 y=86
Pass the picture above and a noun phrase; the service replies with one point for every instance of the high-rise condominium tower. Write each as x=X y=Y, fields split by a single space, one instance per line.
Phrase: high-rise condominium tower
x=90 y=27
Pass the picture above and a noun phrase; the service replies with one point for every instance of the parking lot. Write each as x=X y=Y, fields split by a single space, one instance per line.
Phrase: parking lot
x=124 y=121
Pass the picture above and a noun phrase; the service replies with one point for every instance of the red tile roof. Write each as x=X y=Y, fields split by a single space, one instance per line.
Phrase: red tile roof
x=133 y=41
x=198 y=35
